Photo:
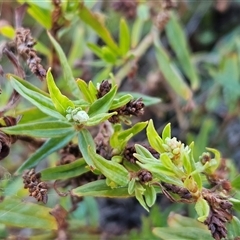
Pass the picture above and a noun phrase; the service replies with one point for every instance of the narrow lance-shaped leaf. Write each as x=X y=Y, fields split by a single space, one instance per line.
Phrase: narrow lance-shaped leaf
x=67 y=72
x=124 y=37
x=60 y=101
x=93 y=21
x=48 y=129
x=84 y=141
x=38 y=99
x=45 y=150
x=171 y=73
x=15 y=212
x=101 y=189
x=66 y=171
x=153 y=138
x=112 y=170
x=178 y=42
x=166 y=131
x=102 y=104
x=85 y=91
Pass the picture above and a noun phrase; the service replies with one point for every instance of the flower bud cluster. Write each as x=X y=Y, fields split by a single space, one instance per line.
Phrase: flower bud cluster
x=77 y=115
x=174 y=148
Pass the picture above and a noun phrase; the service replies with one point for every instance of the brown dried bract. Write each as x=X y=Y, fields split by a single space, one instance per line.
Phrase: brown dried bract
x=104 y=88
x=144 y=176
x=36 y=187
x=220 y=214
x=132 y=108
x=24 y=44
x=126 y=7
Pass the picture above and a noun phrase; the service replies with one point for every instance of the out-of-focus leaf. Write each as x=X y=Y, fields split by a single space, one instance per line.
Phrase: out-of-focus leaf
x=108 y=55
x=124 y=37
x=101 y=189
x=22 y=214
x=202 y=139
x=66 y=171
x=84 y=140
x=182 y=233
x=147 y=100
x=233 y=228
x=35 y=96
x=103 y=104
x=103 y=74
x=93 y=20
x=67 y=72
x=7 y=31
x=96 y=49
x=178 y=42
x=60 y=101
x=45 y=150
x=41 y=11
x=136 y=32
x=48 y=129
x=171 y=74
x=236 y=182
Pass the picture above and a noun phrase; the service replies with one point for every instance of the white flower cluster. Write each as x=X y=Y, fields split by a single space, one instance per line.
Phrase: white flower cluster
x=174 y=148
x=77 y=115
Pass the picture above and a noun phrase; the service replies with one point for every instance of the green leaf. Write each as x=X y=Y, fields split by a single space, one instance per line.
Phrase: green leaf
x=18 y=213
x=108 y=55
x=40 y=100
x=124 y=37
x=202 y=208
x=147 y=100
x=93 y=20
x=154 y=139
x=85 y=91
x=138 y=127
x=112 y=170
x=131 y=186
x=99 y=118
x=234 y=228
x=84 y=141
x=150 y=195
x=236 y=182
x=48 y=129
x=50 y=146
x=30 y=115
x=100 y=189
x=7 y=31
x=178 y=42
x=182 y=233
x=60 y=101
x=143 y=151
x=121 y=101
x=171 y=74
x=102 y=104
x=66 y=171
x=96 y=49
x=166 y=133
x=67 y=72
x=40 y=12
x=136 y=31
x=139 y=196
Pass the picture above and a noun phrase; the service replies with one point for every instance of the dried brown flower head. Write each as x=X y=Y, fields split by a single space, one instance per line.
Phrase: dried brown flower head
x=36 y=187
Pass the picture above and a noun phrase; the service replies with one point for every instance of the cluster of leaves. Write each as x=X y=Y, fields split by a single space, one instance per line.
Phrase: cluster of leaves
x=165 y=165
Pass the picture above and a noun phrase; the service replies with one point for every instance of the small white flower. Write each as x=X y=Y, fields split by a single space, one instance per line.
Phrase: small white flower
x=76 y=115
